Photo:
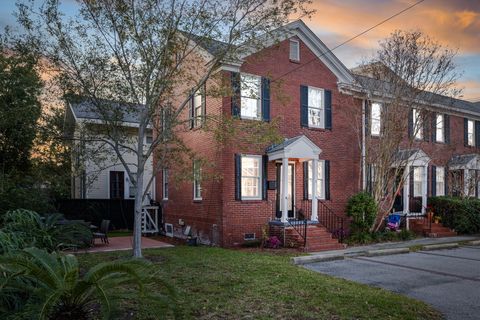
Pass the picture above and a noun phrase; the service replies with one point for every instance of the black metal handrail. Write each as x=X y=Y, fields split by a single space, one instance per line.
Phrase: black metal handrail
x=335 y=224
x=300 y=226
x=300 y=222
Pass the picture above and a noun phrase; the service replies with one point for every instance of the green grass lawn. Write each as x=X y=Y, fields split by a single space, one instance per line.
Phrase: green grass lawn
x=214 y=283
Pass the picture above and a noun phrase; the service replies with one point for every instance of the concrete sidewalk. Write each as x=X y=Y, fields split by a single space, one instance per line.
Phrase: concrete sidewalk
x=381 y=248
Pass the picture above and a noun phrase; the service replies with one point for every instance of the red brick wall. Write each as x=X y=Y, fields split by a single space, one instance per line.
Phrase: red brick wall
x=338 y=145
x=221 y=219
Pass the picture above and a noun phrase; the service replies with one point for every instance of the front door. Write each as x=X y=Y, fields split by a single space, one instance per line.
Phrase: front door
x=290 y=191
x=117 y=186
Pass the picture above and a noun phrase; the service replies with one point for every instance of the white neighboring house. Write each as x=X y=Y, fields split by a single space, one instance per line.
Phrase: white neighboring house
x=97 y=173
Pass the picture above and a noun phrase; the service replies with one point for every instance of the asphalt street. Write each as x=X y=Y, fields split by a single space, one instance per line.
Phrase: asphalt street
x=449 y=280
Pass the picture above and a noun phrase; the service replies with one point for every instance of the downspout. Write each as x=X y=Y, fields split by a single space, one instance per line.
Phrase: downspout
x=364 y=164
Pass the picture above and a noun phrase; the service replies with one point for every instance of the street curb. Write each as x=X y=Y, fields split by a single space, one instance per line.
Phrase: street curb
x=474 y=242
x=319 y=258
x=386 y=252
x=440 y=246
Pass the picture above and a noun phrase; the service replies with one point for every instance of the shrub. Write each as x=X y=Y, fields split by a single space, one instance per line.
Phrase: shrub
x=273 y=242
x=462 y=215
x=363 y=210
x=24 y=228
x=50 y=286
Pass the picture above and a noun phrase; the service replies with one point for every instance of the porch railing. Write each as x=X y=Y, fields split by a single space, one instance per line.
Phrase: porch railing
x=335 y=224
x=299 y=223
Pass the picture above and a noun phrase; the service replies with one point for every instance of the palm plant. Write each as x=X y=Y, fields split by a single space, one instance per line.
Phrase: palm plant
x=53 y=287
x=24 y=228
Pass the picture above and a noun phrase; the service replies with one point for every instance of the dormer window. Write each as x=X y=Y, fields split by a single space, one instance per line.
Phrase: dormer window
x=294 y=50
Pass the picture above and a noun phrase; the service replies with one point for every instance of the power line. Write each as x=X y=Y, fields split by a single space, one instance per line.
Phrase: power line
x=351 y=39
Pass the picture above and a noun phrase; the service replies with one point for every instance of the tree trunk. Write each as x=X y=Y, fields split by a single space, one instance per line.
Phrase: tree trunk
x=137 y=224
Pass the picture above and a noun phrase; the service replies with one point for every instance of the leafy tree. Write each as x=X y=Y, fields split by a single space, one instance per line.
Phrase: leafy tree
x=139 y=53
x=20 y=87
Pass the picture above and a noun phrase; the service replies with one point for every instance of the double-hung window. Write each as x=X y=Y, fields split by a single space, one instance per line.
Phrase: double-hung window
x=197 y=188
x=417 y=181
x=440 y=181
x=376 y=118
x=165 y=184
x=316 y=107
x=251 y=175
x=471 y=133
x=294 y=50
x=417 y=125
x=320 y=179
x=198 y=108
x=250 y=92
x=440 y=128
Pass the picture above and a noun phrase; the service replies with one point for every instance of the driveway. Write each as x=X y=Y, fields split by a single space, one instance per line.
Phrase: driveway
x=449 y=280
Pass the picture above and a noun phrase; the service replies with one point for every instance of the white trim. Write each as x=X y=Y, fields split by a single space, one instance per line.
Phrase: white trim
x=195 y=182
x=259 y=98
x=303 y=148
x=322 y=108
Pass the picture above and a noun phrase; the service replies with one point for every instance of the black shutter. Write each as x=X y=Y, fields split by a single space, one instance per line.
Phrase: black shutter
x=204 y=103
x=328 y=109
x=264 y=176
x=434 y=181
x=476 y=184
x=191 y=111
x=369 y=179
x=367 y=118
x=327 y=179
x=446 y=124
x=410 y=124
x=425 y=126
x=434 y=127
x=265 y=99
x=235 y=94
x=410 y=182
x=465 y=131
x=305 y=180
x=477 y=134
x=304 y=106
x=238 y=177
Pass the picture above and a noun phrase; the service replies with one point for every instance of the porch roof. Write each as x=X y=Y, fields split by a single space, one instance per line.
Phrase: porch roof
x=464 y=161
x=411 y=157
x=299 y=147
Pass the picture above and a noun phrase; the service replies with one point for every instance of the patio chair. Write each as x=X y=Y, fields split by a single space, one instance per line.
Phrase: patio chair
x=103 y=232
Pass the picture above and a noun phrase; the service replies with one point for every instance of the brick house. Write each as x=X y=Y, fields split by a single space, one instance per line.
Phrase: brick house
x=320 y=159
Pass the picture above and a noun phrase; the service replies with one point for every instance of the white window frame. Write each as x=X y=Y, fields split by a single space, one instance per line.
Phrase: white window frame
x=198 y=108
x=165 y=184
x=320 y=179
x=417 y=125
x=259 y=177
x=471 y=133
x=471 y=182
x=376 y=121
x=440 y=184
x=197 y=172
x=252 y=96
x=418 y=183
x=440 y=128
x=295 y=50
x=321 y=108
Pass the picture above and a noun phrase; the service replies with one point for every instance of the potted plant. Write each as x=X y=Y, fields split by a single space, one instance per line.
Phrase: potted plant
x=437 y=219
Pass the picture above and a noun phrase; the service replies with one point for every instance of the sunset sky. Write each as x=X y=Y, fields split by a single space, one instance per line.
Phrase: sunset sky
x=455 y=23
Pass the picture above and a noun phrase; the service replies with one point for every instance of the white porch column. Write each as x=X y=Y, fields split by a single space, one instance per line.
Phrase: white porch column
x=314 y=216
x=406 y=191
x=424 y=187
x=284 y=192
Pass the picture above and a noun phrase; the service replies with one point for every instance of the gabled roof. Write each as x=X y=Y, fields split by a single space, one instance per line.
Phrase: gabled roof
x=411 y=157
x=299 y=147
x=464 y=161
x=282 y=145
x=296 y=28
x=86 y=109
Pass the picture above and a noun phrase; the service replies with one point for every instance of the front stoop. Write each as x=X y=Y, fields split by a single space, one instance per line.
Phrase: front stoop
x=318 y=239
x=437 y=230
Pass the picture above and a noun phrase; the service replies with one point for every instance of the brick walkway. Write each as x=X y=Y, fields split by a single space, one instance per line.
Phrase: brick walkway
x=125 y=243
